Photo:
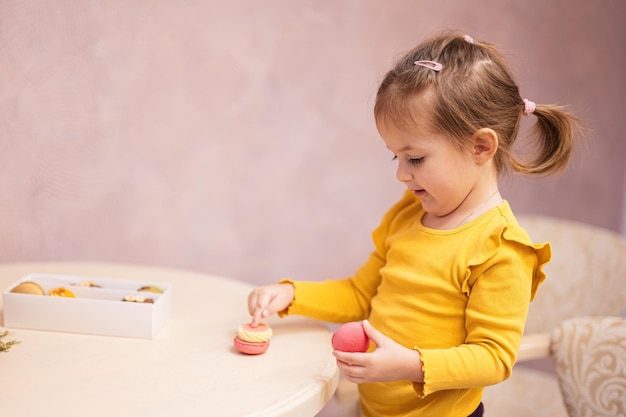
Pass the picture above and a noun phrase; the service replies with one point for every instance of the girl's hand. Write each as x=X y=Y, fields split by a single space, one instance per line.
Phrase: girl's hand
x=267 y=300
x=390 y=361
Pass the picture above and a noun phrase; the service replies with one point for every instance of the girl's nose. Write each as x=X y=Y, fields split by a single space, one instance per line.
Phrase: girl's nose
x=402 y=172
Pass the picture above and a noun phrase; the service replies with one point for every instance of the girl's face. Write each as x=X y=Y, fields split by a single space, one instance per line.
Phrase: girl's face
x=434 y=167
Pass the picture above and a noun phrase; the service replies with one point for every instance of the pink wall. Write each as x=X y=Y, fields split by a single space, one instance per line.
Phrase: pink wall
x=236 y=137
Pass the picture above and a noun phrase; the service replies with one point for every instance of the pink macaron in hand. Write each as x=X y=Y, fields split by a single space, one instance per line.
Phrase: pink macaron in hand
x=351 y=337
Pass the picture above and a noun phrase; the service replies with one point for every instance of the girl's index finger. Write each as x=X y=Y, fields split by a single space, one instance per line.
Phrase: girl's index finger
x=259 y=308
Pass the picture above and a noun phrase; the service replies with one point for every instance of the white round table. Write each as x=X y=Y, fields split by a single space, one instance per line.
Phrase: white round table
x=189 y=369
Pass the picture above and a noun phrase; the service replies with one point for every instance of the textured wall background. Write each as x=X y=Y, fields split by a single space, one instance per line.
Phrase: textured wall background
x=236 y=137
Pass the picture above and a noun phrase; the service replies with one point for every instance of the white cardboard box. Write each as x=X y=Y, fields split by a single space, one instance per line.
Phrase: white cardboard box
x=94 y=310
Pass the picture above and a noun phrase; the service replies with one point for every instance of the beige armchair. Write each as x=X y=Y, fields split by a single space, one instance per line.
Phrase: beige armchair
x=590 y=361
x=586 y=277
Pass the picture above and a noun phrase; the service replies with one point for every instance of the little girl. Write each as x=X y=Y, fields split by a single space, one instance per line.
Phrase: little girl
x=445 y=292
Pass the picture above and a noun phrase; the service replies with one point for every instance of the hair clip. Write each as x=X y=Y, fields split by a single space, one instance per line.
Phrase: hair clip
x=529 y=107
x=435 y=66
x=468 y=39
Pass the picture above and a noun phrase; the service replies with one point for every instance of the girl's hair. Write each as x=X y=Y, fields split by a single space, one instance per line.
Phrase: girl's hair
x=472 y=88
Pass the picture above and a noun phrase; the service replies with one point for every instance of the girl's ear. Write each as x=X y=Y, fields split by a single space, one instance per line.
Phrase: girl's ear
x=484 y=145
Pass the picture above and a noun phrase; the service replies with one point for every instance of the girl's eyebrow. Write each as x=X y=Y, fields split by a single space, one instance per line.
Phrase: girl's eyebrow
x=404 y=148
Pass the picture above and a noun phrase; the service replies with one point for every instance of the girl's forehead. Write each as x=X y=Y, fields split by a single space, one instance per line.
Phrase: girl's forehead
x=403 y=140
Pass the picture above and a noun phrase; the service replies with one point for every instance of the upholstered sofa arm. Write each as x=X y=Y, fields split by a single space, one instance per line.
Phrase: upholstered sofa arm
x=534 y=346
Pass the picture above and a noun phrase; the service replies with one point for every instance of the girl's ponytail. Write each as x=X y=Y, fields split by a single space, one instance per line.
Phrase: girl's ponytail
x=555 y=132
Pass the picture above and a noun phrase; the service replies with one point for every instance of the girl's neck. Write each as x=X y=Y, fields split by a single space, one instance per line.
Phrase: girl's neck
x=458 y=219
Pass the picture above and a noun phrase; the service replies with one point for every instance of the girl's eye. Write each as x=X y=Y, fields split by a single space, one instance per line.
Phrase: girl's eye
x=412 y=161
x=415 y=161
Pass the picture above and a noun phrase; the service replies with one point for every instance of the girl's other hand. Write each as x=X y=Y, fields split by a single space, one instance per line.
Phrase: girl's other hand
x=269 y=299
x=390 y=361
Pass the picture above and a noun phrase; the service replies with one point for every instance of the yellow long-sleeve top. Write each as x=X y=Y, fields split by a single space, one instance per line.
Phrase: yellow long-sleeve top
x=459 y=297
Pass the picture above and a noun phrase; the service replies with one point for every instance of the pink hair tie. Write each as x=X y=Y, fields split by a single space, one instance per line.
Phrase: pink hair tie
x=529 y=107
x=468 y=39
x=435 y=66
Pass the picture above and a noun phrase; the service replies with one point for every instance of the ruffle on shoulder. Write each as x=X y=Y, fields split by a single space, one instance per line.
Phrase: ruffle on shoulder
x=515 y=234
